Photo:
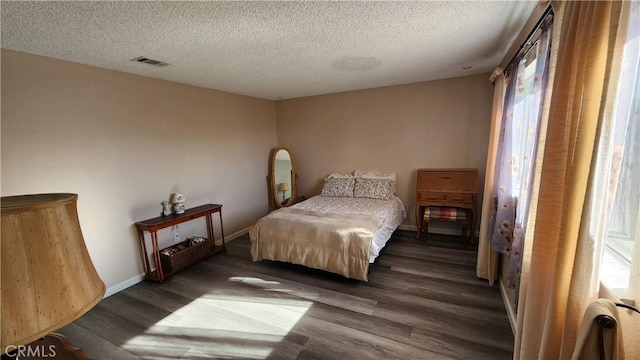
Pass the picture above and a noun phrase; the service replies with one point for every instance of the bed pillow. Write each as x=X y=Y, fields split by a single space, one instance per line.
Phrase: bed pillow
x=339 y=175
x=373 y=188
x=338 y=186
x=373 y=174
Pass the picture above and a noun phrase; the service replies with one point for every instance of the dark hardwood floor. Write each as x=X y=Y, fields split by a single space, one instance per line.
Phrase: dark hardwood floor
x=422 y=301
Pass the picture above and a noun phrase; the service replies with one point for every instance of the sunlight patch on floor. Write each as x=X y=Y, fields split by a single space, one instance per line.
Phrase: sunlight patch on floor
x=274 y=286
x=229 y=326
x=185 y=343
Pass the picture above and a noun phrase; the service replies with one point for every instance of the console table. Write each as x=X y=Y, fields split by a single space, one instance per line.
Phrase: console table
x=449 y=188
x=153 y=225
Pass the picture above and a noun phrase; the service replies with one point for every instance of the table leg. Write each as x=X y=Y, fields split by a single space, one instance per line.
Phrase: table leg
x=222 y=231
x=473 y=225
x=210 y=233
x=418 y=221
x=156 y=255
x=145 y=256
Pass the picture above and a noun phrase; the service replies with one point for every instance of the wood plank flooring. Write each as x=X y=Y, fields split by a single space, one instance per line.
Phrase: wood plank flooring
x=422 y=301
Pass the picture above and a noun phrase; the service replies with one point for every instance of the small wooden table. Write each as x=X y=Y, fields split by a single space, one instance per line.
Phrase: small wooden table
x=161 y=222
x=449 y=188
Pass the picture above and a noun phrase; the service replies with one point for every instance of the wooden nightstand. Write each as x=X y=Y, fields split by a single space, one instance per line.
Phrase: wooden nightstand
x=449 y=188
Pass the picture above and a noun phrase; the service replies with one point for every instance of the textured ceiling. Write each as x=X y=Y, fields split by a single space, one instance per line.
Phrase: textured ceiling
x=272 y=49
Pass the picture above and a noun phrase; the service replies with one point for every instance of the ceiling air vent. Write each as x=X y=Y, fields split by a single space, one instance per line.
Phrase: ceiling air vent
x=142 y=59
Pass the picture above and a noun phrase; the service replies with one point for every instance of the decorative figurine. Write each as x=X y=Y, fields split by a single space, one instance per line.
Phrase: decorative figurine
x=166 y=208
x=178 y=203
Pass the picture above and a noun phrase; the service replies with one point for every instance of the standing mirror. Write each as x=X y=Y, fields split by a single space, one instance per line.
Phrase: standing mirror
x=282 y=178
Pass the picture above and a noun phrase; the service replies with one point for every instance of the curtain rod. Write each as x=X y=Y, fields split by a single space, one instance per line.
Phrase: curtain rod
x=627 y=306
x=527 y=43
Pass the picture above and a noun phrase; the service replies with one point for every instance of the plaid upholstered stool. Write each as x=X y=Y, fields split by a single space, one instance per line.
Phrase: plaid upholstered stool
x=442 y=213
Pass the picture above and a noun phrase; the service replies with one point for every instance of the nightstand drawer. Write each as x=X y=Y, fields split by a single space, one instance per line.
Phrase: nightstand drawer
x=461 y=198
x=431 y=196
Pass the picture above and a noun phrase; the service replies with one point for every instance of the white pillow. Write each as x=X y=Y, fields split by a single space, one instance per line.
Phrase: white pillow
x=373 y=174
x=339 y=175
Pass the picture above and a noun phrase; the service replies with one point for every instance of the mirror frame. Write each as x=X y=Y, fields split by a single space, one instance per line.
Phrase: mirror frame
x=276 y=203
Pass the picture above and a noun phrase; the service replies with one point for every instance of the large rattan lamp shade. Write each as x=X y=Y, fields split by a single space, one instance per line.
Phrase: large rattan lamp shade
x=48 y=279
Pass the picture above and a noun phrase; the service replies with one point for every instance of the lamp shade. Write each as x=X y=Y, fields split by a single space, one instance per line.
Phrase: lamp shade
x=48 y=279
x=283 y=187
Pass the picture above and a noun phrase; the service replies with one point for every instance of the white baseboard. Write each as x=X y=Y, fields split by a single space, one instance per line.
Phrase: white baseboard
x=511 y=313
x=138 y=278
x=236 y=234
x=123 y=285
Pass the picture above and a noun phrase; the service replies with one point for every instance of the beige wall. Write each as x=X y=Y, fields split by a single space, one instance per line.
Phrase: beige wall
x=124 y=143
x=436 y=124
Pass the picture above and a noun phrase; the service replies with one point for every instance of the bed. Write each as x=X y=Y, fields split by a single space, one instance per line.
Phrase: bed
x=342 y=230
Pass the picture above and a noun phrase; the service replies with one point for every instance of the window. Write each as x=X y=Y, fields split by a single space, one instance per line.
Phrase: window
x=621 y=259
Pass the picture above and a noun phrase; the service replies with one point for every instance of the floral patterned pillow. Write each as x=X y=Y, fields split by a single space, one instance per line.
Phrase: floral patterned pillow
x=338 y=187
x=374 y=174
x=373 y=188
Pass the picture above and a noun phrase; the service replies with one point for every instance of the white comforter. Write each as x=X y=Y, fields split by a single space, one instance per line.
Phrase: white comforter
x=341 y=235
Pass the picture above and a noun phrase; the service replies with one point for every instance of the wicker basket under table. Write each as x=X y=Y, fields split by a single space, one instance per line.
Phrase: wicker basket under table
x=188 y=255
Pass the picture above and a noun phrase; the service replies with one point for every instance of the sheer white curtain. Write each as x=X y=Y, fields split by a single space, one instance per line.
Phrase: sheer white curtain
x=526 y=80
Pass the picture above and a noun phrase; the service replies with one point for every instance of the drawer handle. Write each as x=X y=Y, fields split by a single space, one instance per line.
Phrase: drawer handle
x=446 y=177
